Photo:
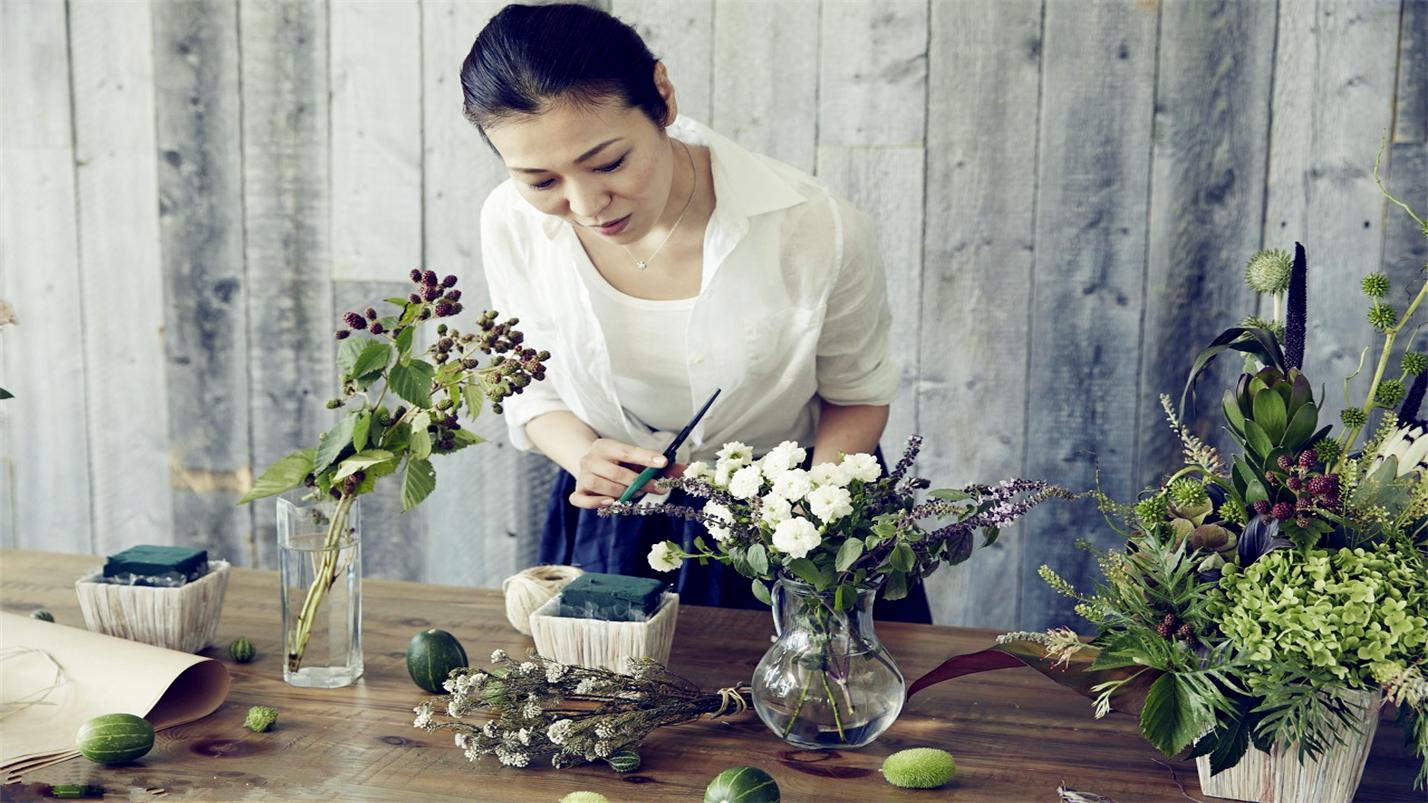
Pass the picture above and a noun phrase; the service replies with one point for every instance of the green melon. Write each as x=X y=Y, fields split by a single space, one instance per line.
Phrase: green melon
x=742 y=785
x=431 y=656
x=115 y=738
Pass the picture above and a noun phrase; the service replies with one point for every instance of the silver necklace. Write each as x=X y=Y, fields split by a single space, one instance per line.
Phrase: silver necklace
x=693 y=183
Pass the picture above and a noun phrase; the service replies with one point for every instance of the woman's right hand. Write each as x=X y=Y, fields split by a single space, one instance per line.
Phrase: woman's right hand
x=608 y=468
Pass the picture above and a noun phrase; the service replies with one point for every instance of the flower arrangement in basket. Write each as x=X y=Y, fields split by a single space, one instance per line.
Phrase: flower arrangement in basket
x=1267 y=604
x=831 y=538
x=378 y=358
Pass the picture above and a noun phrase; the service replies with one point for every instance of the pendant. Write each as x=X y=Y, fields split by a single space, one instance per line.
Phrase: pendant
x=641 y=264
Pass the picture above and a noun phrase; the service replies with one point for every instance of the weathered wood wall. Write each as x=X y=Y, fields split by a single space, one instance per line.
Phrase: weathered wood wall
x=1066 y=192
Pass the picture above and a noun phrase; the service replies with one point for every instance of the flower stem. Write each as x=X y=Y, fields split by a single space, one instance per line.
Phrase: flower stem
x=1352 y=435
x=322 y=581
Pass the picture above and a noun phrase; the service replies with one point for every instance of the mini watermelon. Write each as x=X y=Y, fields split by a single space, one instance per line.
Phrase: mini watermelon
x=431 y=656
x=742 y=785
x=115 y=738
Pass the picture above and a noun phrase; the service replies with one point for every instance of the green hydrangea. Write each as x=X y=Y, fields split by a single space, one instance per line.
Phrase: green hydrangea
x=1346 y=612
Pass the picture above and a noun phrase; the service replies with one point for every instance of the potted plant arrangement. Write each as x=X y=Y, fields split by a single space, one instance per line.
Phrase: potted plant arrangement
x=402 y=404
x=830 y=539
x=1267 y=605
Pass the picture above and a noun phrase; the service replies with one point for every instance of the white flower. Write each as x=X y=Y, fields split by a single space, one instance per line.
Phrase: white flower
x=783 y=457
x=719 y=531
x=490 y=729
x=603 y=749
x=664 y=557
x=554 y=672
x=793 y=484
x=453 y=707
x=796 y=537
x=1410 y=445
x=734 y=451
x=423 y=716
x=861 y=466
x=776 y=510
x=524 y=734
x=830 y=503
x=532 y=710
x=746 y=482
x=527 y=667
x=559 y=731
x=699 y=470
x=828 y=474
x=586 y=686
x=498 y=656
x=460 y=738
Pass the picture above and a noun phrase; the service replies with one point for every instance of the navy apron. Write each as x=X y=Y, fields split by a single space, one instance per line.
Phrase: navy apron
x=621 y=544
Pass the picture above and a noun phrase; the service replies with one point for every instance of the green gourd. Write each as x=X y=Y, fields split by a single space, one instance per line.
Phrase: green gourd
x=742 y=785
x=242 y=650
x=919 y=768
x=431 y=656
x=115 y=738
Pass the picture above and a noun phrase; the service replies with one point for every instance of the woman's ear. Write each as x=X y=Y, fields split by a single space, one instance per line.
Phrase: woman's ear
x=666 y=91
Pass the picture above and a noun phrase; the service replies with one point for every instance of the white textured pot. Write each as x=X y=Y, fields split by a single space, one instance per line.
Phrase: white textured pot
x=1280 y=777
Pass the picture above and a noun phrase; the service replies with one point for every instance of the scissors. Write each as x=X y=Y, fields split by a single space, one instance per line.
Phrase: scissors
x=649 y=473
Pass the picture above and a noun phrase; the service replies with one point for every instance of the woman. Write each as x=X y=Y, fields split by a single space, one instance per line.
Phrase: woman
x=659 y=261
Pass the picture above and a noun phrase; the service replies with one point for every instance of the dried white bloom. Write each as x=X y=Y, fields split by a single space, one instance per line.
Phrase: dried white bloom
x=453 y=707
x=603 y=749
x=524 y=734
x=602 y=730
x=423 y=715
x=498 y=656
x=558 y=732
x=452 y=684
x=586 y=686
x=554 y=672
x=527 y=667
x=531 y=711
x=460 y=739
x=490 y=730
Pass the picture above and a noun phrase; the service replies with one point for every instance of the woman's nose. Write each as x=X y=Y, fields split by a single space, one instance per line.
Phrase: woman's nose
x=587 y=201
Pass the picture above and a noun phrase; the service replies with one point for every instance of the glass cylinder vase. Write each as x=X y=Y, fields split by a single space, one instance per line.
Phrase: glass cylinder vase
x=827 y=682
x=320 y=558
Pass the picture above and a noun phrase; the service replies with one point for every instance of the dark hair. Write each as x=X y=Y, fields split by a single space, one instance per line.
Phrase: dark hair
x=528 y=56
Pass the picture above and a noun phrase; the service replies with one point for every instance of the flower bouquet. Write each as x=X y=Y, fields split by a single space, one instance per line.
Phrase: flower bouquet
x=830 y=538
x=378 y=359
x=1265 y=606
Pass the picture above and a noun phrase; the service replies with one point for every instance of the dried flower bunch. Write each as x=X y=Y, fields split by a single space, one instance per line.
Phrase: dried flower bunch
x=376 y=357
x=539 y=712
x=838 y=526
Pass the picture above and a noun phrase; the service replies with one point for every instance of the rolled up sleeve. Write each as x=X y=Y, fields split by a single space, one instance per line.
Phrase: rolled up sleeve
x=855 y=365
x=512 y=295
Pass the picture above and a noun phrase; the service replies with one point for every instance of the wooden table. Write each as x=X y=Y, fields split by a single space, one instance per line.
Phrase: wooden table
x=1015 y=734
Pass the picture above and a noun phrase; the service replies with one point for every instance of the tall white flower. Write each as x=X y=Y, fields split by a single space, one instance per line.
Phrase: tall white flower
x=719 y=531
x=830 y=503
x=1409 y=444
x=792 y=485
x=829 y=474
x=776 y=510
x=861 y=466
x=664 y=557
x=783 y=457
x=746 y=482
x=796 y=537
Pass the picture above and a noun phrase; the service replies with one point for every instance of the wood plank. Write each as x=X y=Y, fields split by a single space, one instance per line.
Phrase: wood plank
x=1015 y=734
x=1333 y=90
x=984 y=68
x=1093 y=178
x=872 y=87
x=1405 y=249
x=1410 y=118
x=286 y=212
x=681 y=35
x=375 y=138
x=765 y=93
x=201 y=235
x=1206 y=207
x=44 y=431
x=886 y=182
x=121 y=284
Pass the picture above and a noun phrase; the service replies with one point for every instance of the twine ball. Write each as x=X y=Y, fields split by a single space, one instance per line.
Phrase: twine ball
x=533 y=588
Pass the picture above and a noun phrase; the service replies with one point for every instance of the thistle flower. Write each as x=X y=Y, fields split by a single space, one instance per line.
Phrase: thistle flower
x=1187 y=493
x=1382 y=316
x=1390 y=392
x=1268 y=272
x=1375 y=285
x=1353 y=417
x=1152 y=510
x=1415 y=363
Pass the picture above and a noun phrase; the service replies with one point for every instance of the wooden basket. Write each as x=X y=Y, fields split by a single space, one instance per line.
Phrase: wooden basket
x=1279 y=777
x=600 y=644
x=184 y=618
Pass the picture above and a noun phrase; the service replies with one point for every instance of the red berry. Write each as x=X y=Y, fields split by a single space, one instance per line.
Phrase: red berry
x=1294 y=483
x=429 y=278
x=377 y=328
x=343 y=334
x=371 y=314
x=1285 y=463
x=448 y=281
x=1283 y=511
x=416 y=275
x=1308 y=458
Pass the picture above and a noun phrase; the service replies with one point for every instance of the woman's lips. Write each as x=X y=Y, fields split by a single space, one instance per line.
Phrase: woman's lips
x=614 y=227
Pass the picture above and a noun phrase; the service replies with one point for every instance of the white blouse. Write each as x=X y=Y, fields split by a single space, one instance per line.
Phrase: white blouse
x=792 y=307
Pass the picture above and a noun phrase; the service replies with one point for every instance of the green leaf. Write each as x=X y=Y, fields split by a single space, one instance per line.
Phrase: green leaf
x=1233 y=416
x=1270 y=415
x=465 y=437
x=896 y=587
x=418 y=483
x=376 y=471
x=331 y=443
x=1230 y=739
x=475 y=400
x=284 y=475
x=804 y=570
x=409 y=314
x=374 y=357
x=412 y=381
x=404 y=341
x=1259 y=441
x=1168 y=721
x=948 y=494
x=420 y=442
x=990 y=535
x=848 y=554
x=1301 y=427
x=902 y=558
x=362 y=460
x=348 y=351
x=761 y=592
x=758 y=559
x=399 y=301
x=5 y=394
x=360 y=430
x=844 y=598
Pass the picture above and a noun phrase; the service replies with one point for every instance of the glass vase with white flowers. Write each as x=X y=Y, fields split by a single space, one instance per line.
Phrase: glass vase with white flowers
x=830 y=539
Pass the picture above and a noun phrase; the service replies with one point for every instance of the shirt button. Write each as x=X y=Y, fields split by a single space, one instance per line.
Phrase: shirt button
x=697 y=359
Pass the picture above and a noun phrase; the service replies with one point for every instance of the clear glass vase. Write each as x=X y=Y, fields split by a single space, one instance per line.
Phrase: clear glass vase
x=320 y=556
x=827 y=682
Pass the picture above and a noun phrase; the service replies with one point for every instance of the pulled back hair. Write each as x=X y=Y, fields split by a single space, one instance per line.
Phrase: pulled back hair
x=528 y=57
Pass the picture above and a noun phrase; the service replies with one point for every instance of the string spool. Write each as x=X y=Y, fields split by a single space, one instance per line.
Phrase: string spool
x=529 y=589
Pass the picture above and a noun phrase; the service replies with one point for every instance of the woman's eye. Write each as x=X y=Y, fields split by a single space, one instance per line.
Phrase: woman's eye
x=611 y=167
x=543 y=185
